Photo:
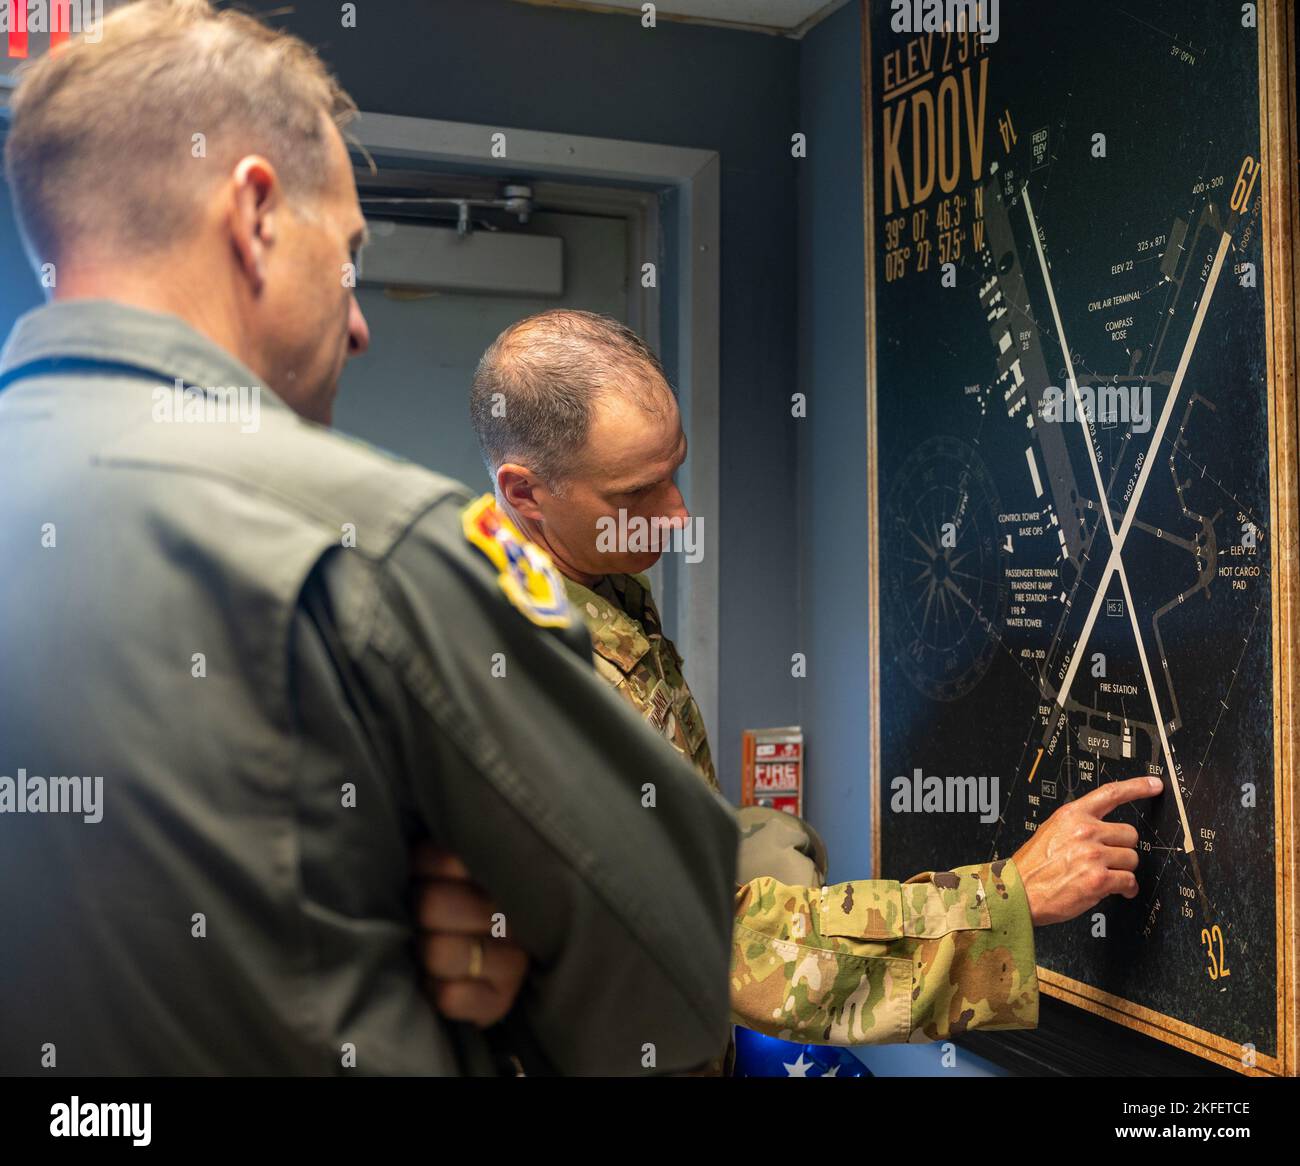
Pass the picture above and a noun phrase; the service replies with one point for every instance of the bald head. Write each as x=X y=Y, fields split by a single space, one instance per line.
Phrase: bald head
x=538 y=384
x=578 y=426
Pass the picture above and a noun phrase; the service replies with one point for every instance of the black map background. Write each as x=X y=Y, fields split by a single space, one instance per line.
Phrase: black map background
x=1079 y=69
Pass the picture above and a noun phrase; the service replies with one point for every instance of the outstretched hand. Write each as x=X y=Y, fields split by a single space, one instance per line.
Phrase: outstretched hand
x=1075 y=859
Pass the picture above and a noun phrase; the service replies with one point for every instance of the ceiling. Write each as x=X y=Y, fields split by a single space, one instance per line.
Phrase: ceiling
x=782 y=17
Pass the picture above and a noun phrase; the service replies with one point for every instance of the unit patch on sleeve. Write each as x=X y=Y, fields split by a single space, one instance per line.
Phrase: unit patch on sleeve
x=526 y=573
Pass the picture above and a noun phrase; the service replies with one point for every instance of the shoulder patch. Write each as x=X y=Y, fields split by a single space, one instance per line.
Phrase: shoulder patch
x=525 y=571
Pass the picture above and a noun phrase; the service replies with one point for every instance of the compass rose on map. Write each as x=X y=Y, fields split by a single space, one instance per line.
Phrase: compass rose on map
x=944 y=574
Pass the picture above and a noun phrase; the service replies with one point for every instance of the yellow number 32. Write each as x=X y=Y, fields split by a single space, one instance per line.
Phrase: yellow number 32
x=1218 y=968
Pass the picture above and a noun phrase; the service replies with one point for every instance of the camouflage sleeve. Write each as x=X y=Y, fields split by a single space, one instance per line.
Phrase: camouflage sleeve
x=879 y=962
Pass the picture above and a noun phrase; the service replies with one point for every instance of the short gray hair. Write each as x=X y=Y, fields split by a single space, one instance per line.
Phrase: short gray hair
x=102 y=140
x=535 y=386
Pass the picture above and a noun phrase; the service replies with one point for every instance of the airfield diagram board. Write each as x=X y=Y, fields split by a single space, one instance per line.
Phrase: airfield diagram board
x=1084 y=488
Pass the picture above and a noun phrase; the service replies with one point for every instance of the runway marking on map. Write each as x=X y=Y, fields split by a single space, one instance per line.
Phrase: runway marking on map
x=1115 y=564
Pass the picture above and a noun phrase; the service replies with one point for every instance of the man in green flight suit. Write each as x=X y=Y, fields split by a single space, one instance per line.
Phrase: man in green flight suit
x=581 y=434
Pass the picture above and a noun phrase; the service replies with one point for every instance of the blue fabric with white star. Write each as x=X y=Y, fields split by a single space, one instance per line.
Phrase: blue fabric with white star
x=765 y=1056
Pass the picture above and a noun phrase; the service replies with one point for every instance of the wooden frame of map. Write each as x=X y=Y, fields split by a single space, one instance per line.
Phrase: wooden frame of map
x=1082 y=242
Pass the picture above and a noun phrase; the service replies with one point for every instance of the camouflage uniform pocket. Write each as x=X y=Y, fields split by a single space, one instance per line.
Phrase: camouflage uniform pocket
x=865 y=909
x=943 y=903
x=796 y=992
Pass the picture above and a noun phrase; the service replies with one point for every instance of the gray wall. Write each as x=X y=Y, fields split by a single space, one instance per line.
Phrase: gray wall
x=18 y=287
x=832 y=449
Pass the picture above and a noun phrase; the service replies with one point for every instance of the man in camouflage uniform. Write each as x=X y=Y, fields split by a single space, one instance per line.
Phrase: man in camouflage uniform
x=577 y=423
x=634 y=655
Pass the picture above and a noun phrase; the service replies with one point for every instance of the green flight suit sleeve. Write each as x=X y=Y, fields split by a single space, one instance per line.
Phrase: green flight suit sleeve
x=879 y=962
x=612 y=864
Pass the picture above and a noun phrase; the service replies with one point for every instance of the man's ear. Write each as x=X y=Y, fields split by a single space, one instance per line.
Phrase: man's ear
x=253 y=215
x=521 y=490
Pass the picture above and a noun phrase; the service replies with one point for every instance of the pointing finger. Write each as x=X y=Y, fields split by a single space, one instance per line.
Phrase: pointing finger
x=1116 y=793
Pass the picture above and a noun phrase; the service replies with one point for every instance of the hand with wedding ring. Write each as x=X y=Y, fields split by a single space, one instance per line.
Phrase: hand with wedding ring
x=475 y=976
